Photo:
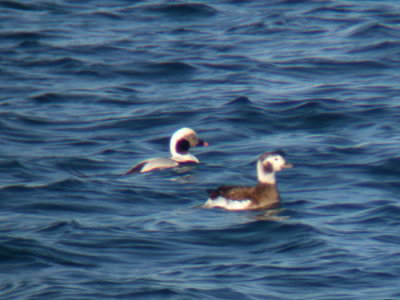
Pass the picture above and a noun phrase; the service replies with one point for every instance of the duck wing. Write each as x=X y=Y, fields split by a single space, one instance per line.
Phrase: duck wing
x=153 y=164
x=232 y=192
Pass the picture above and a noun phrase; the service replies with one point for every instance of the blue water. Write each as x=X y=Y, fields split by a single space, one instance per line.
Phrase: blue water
x=89 y=88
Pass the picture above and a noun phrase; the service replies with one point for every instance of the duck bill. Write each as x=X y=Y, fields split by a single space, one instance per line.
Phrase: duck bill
x=287 y=166
x=202 y=143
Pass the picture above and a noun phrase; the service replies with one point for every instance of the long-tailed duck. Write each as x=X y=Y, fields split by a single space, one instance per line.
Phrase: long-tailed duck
x=181 y=141
x=264 y=195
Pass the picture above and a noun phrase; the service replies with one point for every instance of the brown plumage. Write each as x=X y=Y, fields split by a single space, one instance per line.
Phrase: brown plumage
x=264 y=195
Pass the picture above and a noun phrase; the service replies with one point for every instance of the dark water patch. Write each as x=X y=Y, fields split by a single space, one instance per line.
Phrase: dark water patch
x=129 y=124
x=318 y=121
x=66 y=184
x=60 y=227
x=325 y=120
x=41 y=7
x=242 y=109
x=18 y=250
x=60 y=98
x=392 y=185
x=338 y=208
x=82 y=144
x=22 y=35
x=157 y=118
x=243 y=106
x=117 y=102
x=98 y=70
x=384 y=47
x=325 y=113
x=331 y=67
x=160 y=71
x=335 y=8
x=51 y=206
x=387 y=15
x=241 y=101
x=299 y=245
x=137 y=195
x=184 y=10
x=349 y=150
x=133 y=247
x=327 y=90
x=144 y=289
x=381 y=215
x=249 y=235
x=63 y=63
x=107 y=15
x=293 y=2
x=374 y=30
x=310 y=106
x=386 y=167
x=239 y=67
x=32 y=121
x=390 y=239
x=171 y=67
x=22 y=41
x=18 y=5
x=384 y=185
x=120 y=94
x=104 y=50
x=11 y=164
x=258 y=28
x=152 y=292
x=29 y=194
x=69 y=164
x=7 y=191
x=30 y=44
x=15 y=133
x=374 y=111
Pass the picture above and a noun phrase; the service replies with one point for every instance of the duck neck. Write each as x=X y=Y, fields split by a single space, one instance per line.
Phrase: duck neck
x=182 y=157
x=263 y=176
x=172 y=148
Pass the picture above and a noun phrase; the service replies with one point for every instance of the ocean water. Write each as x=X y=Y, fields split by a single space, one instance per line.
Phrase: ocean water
x=90 y=88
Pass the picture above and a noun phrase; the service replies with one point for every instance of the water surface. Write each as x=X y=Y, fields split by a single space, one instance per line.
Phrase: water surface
x=88 y=89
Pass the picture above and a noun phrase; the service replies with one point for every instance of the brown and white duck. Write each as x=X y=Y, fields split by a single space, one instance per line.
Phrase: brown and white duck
x=264 y=195
x=181 y=142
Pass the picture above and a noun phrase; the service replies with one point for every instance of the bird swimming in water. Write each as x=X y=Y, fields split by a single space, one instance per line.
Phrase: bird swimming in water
x=264 y=195
x=180 y=143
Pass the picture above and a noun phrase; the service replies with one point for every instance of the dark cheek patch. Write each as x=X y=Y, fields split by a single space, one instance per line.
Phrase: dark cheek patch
x=268 y=168
x=182 y=146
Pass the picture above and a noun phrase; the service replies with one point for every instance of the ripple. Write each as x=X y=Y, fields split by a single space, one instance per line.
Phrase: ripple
x=87 y=91
x=31 y=252
x=183 y=10
x=374 y=30
x=326 y=66
x=64 y=63
x=160 y=70
x=17 y=5
x=389 y=166
x=380 y=47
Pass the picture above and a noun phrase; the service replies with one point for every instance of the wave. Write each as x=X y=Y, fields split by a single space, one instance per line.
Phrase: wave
x=39 y=255
x=183 y=10
x=374 y=30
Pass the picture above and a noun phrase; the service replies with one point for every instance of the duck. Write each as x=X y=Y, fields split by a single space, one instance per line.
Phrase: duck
x=180 y=143
x=264 y=195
